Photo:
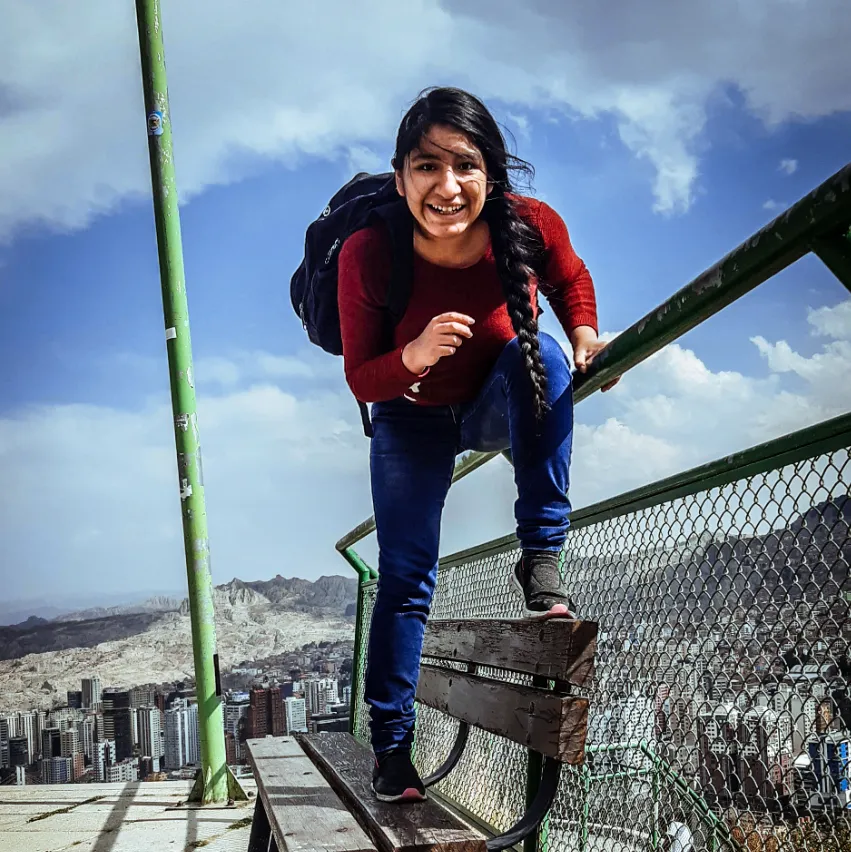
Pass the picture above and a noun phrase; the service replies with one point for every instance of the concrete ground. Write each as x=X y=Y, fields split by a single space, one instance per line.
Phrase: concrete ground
x=132 y=817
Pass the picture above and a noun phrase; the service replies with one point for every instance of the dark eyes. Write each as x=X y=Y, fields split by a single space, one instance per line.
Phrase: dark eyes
x=466 y=166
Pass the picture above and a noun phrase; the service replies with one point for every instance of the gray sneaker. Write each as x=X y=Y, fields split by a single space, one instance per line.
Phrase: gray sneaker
x=536 y=577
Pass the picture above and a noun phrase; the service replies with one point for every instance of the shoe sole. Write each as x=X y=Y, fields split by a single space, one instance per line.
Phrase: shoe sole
x=410 y=795
x=536 y=614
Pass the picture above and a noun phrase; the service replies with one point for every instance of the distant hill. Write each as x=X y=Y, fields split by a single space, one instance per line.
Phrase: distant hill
x=711 y=577
x=152 y=641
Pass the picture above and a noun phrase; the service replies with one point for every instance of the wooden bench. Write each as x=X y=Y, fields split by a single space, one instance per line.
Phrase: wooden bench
x=314 y=791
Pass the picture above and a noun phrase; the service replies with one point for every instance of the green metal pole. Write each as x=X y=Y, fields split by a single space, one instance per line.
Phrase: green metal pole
x=214 y=783
x=654 y=828
x=586 y=808
x=364 y=573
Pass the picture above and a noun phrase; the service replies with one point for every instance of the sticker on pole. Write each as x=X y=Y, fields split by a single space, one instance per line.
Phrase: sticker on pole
x=155 y=123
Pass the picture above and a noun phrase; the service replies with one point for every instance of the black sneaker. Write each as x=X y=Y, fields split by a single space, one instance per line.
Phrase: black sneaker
x=395 y=779
x=536 y=576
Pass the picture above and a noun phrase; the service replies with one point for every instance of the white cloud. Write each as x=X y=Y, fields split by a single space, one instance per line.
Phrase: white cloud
x=788 y=166
x=247 y=367
x=284 y=477
x=521 y=124
x=832 y=321
x=363 y=159
x=774 y=206
x=275 y=81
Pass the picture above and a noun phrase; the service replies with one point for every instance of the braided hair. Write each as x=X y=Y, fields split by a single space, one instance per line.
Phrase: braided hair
x=517 y=246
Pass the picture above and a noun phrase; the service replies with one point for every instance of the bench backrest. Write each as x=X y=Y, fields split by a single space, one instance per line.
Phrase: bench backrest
x=547 y=720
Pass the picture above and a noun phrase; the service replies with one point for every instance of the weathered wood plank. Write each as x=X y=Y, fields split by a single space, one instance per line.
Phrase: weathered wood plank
x=556 y=648
x=305 y=814
x=553 y=724
x=421 y=827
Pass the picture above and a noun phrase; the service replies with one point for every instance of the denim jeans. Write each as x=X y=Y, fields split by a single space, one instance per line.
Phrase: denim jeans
x=411 y=462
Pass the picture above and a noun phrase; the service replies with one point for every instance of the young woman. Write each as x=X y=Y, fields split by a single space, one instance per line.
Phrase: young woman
x=465 y=369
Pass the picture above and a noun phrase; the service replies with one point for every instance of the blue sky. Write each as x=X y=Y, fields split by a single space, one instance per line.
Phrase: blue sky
x=657 y=174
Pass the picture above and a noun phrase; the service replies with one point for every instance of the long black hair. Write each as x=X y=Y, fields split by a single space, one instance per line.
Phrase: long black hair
x=517 y=246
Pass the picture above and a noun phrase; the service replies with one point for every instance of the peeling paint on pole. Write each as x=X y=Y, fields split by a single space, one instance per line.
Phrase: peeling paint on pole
x=214 y=783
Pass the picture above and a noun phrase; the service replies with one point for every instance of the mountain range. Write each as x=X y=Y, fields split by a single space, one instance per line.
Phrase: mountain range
x=151 y=642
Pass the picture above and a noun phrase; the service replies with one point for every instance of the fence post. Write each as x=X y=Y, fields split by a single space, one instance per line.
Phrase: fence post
x=654 y=824
x=364 y=575
x=586 y=808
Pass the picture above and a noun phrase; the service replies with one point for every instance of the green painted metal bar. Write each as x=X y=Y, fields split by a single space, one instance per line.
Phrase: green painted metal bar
x=584 y=830
x=362 y=569
x=603 y=748
x=654 y=825
x=779 y=244
x=835 y=253
x=365 y=574
x=627 y=773
x=717 y=825
x=214 y=782
x=806 y=443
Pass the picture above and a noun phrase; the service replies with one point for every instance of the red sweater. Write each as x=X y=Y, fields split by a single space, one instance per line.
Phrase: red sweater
x=373 y=361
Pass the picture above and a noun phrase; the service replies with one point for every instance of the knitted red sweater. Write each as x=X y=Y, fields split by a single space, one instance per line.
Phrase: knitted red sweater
x=373 y=359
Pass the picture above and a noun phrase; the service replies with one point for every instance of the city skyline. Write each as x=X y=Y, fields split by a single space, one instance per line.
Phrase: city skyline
x=151 y=731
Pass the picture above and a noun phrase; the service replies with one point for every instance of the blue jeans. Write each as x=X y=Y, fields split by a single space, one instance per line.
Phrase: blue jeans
x=412 y=457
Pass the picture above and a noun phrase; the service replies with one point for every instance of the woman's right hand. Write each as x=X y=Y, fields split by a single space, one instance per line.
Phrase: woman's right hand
x=441 y=337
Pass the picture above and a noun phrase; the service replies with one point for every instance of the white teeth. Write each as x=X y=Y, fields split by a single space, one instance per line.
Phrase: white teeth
x=440 y=209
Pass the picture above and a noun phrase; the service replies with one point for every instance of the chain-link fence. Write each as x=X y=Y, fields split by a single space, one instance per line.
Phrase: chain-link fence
x=720 y=714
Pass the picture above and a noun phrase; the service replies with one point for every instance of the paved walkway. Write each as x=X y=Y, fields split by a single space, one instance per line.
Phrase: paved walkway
x=133 y=817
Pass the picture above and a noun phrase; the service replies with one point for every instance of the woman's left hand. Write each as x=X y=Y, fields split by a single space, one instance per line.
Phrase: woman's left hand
x=586 y=345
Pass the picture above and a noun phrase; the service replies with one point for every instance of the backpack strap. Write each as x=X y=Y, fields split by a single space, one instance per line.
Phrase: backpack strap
x=364 y=419
x=400 y=226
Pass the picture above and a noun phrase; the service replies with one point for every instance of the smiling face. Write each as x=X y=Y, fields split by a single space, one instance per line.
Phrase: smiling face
x=444 y=182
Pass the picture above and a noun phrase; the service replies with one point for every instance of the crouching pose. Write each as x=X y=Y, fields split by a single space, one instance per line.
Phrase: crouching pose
x=464 y=369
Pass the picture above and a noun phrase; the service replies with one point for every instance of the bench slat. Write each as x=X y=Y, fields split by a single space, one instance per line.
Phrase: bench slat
x=556 y=648
x=306 y=815
x=552 y=724
x=420 y=827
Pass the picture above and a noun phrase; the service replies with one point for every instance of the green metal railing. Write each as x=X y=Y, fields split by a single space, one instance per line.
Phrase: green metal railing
x=712 y=589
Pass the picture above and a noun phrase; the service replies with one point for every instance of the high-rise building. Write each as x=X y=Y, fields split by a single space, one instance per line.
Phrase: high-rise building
x=69 y=742
x=230 y=749
x=29 y=726
x=296 y=710
x=104 y=757
x=143 y=696
x=57 y=770
x=123 y=771
x=91 y=692
x=18 y=752
x=88 y=735
x=7 y=731
x=277 y=717
x=321 y=694
x=124 y=725
x=51 y=743
x=151 y=741
x=181 y=735
x=236 y=722
x=75 y=699
x=114 y=701
x=258 y=714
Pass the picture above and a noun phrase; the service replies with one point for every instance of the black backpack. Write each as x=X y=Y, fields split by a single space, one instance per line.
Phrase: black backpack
x=364 y=200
